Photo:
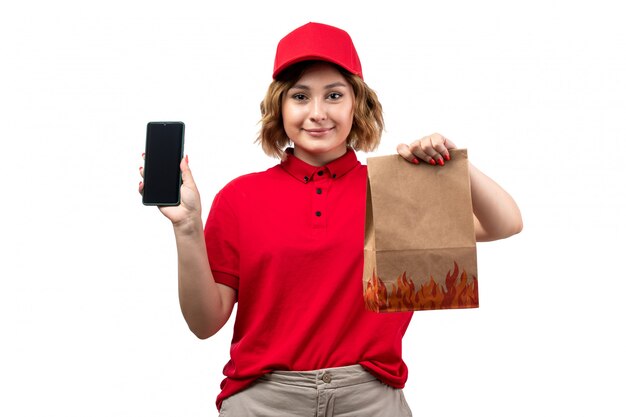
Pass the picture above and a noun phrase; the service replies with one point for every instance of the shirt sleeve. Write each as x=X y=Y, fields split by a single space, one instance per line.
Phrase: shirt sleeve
x=221 y=234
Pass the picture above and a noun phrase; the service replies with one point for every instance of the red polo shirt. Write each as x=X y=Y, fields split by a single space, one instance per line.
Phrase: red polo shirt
x=290 y=241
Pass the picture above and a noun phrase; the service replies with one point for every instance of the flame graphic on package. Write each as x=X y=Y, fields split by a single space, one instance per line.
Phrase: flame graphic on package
x=458 y=292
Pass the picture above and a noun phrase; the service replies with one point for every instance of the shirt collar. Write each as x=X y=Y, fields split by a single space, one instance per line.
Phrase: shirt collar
x=304 y=172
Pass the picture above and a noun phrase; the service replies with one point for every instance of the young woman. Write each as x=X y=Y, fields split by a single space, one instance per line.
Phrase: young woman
x=287 y=245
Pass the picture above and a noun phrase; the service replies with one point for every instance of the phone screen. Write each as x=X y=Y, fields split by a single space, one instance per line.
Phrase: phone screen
x=164 y=151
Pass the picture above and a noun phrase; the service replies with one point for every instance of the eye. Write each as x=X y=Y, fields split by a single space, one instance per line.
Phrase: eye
x=335 y=96
x=298 y=97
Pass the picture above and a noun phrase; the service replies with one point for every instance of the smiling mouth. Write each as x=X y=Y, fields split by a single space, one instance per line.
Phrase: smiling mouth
x=318 y=132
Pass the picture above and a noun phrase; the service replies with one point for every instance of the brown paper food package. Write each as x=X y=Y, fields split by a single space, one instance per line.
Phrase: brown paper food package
x=420 y=245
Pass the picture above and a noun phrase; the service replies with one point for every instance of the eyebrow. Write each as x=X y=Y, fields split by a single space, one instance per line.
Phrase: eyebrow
x=326 y=87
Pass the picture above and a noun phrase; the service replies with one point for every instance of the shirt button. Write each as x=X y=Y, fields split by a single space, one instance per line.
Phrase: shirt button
x=326 y=378
x=318 y=213
x=334 y=175
x=306 y=179
x=319 y=191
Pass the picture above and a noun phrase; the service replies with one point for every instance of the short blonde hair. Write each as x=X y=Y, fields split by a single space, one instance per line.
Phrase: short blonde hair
x=367 y=125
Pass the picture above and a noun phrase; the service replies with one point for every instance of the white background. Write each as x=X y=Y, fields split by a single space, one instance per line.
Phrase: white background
x=89 y=314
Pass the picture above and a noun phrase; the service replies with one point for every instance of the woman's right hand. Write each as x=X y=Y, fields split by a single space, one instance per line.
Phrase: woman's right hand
x=190 y=207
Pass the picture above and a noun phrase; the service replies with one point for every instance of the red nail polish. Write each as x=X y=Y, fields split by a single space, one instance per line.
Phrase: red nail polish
x=441 y=161
x=187 y=158
x=447 y=156
x=432 y=162
x=415 y=161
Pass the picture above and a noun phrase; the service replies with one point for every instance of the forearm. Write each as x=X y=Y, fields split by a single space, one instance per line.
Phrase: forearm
x=496 y=212
x=201 y=303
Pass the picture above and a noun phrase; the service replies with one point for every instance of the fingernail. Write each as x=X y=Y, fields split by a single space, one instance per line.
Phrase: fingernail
x=187 y=158
x=441 y=161
x=432 y=162
x=143 y=154
x=447 y=156
x=415 y=161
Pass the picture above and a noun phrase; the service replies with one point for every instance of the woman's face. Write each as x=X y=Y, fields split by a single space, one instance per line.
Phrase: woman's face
x=317 y=114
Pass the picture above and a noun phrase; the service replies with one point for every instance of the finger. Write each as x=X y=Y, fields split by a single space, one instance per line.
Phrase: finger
x=186 y=172
x=442 y=144
x=440 y=152
x=143 y=156
x=436 y=149
x=448 y=143
x=141 y=187
x=404 y=151
x=418 y=149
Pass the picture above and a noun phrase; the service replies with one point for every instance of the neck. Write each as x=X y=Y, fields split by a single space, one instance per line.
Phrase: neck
x=320 y=159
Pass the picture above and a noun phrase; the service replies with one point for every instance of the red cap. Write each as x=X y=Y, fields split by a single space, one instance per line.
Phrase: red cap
x=316 y=41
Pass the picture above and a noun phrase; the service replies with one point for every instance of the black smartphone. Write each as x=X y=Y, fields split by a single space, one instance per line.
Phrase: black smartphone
x=161 y=171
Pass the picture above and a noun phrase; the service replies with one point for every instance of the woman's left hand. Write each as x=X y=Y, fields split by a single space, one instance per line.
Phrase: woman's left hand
x=432 y=149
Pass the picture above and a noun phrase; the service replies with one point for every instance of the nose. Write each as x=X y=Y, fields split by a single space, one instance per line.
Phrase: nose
x=318 y=110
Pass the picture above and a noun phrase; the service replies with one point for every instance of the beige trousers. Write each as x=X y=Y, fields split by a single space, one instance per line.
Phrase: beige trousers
x=348 y=391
